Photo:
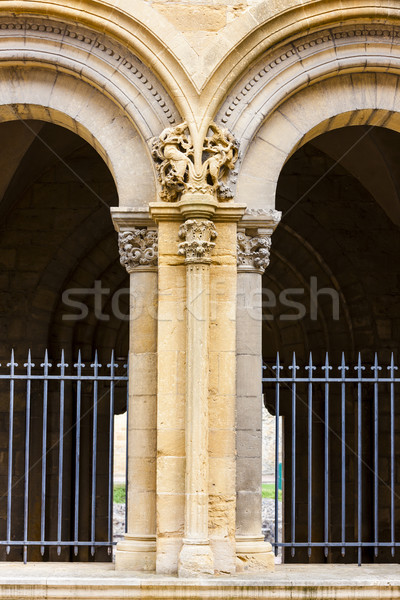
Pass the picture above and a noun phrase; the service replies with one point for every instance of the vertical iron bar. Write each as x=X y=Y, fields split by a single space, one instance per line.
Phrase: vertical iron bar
x=294 y=368
x=343 y=369
x=375 y=369
x=95 y=366
x=277 y=409
x=45 y=366
x=359 y=368
x=62 y=366
x=392 y=449
x=310 y=369
x=127 y=449
x=12 y=366
x=28 y=366
x=78 y=366
x=326 y=455
x=111 y=451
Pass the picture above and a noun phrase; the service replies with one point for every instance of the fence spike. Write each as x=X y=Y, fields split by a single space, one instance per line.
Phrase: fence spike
x=359 y=366
x=310 y=367
x=277 y=367
x=342 y=367
x=375 y=368
x=112 y=364
x=294 y=366
x=12 y=362
x=95 y=365
x=46 y=364
x=326 y=367
x=392 y=367
x=79 y=365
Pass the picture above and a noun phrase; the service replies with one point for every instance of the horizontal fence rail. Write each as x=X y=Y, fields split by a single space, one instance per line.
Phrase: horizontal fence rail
x=340 y=437
x=56 y=468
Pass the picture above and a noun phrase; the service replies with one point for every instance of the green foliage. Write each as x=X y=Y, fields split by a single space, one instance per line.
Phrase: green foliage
x=268 y=491
x=119 y=494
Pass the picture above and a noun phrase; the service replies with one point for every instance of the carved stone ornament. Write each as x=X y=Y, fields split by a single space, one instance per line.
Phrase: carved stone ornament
x=253 y=252
x=198 y=236
x=269 y=213
x=138 y=248
x=178 y=172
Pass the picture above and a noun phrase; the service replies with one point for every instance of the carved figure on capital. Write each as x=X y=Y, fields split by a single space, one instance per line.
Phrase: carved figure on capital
x=180 y=172
x=138 y=248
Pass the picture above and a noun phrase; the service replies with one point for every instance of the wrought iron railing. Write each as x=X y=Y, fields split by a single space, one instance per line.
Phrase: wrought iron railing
x=52 y=409
x=341 y=426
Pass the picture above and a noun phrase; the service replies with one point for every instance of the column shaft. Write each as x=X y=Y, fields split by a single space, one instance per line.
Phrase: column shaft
x=196 y=476
x=138 y=550
x=253 y=554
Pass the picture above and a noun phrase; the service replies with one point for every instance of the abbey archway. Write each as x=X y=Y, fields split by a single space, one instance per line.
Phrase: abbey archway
x=195 y=151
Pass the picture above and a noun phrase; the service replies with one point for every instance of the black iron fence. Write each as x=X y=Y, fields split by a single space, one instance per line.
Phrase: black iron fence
x=340 y=442
x=56 y=456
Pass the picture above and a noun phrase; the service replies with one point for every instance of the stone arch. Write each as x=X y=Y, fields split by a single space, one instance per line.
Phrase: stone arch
x=352 y=99
x=268 y=28
x=87 y=82
x=292 y=74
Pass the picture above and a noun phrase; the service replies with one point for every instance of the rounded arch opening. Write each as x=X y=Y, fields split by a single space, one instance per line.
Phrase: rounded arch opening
x=332 y=287
x=60 y=271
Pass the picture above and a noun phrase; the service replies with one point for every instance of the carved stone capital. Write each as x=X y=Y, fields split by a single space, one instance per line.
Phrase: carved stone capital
x=179 y=171
x=253 y=252
x=138 y=248
x=198 y=244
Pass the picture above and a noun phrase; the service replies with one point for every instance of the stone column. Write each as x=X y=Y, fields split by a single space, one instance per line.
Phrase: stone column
x=139 y=251
x=196 y=393
x=253 y=247
x=196 y=557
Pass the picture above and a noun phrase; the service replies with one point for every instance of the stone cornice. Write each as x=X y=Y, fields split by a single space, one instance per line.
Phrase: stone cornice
x=125 y=219
x=266 y=218
x=193 y=207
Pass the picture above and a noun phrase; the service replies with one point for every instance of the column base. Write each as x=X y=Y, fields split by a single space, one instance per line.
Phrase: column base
x=136 y=553
x=195 y=560
x=253 y=554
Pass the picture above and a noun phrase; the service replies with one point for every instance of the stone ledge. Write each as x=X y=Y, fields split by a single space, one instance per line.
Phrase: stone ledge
x=88 y=581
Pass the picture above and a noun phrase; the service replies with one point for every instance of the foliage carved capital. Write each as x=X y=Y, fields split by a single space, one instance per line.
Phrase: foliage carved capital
x=253 y=253
x=179 y=171
x=138 y=248
x=198 y=235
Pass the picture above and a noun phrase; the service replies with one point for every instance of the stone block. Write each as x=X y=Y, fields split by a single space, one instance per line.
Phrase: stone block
x=221 y=443
x=248 y=510
x=171 y=474
x=249 y=443
x=193 y=18
x=171 y=442
x=248 y=414
x=170 y=514
x=221 y=411
x=171 y=411
x=248 y=376
x=222 y=476
x=248 y=474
